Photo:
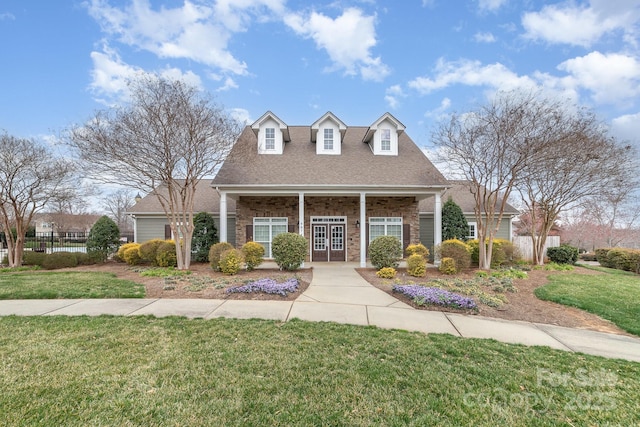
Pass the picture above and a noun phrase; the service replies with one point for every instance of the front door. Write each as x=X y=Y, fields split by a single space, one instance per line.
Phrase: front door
x=328 y=242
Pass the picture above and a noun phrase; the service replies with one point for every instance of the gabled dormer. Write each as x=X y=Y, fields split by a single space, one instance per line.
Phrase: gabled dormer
x=382 y=135
x=327 y=133
x=272 y=133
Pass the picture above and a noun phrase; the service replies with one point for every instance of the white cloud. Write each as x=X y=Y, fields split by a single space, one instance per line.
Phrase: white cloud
x=484 y=37
x=110 y=75
x=491 y=5
x=611 y=78
x=441 y=111
x=197 y=32
x=7 y=16
x=241 y=115
x=347 y=39
x=470 y=73
x=392 y=96
x=582 y=25
x=229 y=83
x=627 y=128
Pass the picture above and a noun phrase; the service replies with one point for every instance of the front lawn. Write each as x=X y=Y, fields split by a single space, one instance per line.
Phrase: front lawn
x=613 y=295
x=79 y=371
x=49 y=285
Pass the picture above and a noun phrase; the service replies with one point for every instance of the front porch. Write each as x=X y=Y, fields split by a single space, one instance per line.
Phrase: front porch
x=338 y=226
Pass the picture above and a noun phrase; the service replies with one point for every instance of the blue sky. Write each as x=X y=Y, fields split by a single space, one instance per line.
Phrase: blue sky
x=420 y=60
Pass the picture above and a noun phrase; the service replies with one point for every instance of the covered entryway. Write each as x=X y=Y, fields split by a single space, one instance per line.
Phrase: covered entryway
x=328 y=239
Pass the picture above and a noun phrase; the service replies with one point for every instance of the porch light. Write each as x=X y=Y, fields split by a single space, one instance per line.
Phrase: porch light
x=357 y=223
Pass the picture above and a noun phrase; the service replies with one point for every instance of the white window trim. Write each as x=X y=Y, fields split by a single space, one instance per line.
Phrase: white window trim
x=269 y=221
x=475 y=230
x=327 y=139
x=386 y=221
x=268 y=139
x=383 y=140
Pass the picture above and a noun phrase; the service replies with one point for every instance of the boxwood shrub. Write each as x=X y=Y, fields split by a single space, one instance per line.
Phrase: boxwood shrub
x=385 y=251
x=563 y=254
x=215 y=251
x=289 y=250
x=59 y=260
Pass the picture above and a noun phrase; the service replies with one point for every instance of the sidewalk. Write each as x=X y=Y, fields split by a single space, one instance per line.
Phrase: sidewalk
x=338 y=293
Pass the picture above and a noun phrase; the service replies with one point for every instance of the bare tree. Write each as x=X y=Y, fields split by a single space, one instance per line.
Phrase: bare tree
x=491 y=147
x=577 y=161
x=169 y=135
x=31 y=176
x=116 y=204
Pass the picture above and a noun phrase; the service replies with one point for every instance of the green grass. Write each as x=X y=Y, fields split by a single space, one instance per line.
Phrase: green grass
x=614 y=295
x=164 y=272
x=84 y=371
x=49 y=285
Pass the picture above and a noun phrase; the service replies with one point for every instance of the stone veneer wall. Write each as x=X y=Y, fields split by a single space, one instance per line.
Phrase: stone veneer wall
x=249 y=207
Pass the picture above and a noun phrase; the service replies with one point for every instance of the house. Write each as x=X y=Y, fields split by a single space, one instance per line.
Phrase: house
x=339 y=186
x=64 y=225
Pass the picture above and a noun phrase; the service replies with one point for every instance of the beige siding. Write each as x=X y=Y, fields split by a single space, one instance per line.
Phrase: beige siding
x=153 y=228
x=426 y=229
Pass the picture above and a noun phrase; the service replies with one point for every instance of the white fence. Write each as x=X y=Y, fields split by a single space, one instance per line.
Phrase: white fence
x=525 y=245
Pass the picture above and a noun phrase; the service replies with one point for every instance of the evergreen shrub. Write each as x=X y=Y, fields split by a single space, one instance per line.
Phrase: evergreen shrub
x=563 y=254
x=253 y=254
x=57 y=260
x=385 y=251
x=416 y=265
x=231 y=261
x=166 y=254
x=289 y=250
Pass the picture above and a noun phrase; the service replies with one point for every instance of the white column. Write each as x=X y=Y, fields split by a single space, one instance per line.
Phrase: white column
x=301 y=213
x=363 y=230
x=223 y=217
x=135 y=229
x=437 y=223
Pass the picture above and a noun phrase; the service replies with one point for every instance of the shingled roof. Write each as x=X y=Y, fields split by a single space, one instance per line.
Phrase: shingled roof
x=299 y=165
x=460 y=192
x=206 y=199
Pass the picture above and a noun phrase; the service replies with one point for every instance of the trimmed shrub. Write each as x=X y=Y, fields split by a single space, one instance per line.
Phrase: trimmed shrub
x=289 y=250
x=603 y=258
x=448 y=266
x=416 y=265
x=166 y=254
x=119 y=256
x=215 y=251
x=253 y=254
x=88 y=258
x=231 y=261
x=386 y=273
x=59 y=260
x=205 y=234
x=385 y=251
x=458 y=250
x=588 y=256
x=131 y=255
x=103 y=239
x=624 y=259
x=419 y=249
x=149 y=251
x=33 y=258
x=563 y=254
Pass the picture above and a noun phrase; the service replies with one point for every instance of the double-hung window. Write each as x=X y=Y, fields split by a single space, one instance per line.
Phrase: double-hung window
x=473 y=231
x=269 y=139
x=385 y=140
x=328 y=139
x=385 y=226
x=265 y=229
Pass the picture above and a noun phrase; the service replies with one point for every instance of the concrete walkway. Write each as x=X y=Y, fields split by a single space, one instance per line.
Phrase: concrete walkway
x=338 y=293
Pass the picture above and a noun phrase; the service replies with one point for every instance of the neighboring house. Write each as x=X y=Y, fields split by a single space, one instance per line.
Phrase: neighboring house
x=339 y=186
x=460 y=193
x=64 y=225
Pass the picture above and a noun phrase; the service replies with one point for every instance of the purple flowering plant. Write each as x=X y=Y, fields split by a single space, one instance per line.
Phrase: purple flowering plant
x=268 y=286
x=422 y=295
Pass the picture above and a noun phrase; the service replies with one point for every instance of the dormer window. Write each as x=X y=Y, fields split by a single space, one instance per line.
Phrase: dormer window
x=385 y=139
x=328 y=139
x=327 y=133
x=383 y=135
x=269 y=139
x=272 y=133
